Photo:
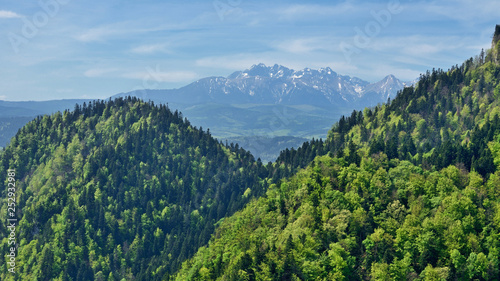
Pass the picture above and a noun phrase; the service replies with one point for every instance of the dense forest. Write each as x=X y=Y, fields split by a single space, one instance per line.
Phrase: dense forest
x=128 y=190
x=408 y=190
x=119 y=189
x=380 y=221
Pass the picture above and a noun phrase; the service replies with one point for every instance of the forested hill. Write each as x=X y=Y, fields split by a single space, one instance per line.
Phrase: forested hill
x=118 y=190
x=447 y=118
x=408 y=190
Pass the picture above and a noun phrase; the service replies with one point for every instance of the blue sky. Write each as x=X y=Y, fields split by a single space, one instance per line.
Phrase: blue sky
x=55 y=49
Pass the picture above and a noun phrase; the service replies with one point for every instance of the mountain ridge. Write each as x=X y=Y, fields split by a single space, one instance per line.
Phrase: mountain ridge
x=269 y=102
x=278 y=84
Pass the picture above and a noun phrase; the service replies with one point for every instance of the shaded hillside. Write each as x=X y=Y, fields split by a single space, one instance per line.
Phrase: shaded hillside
x=14 y=115
x=119 y=189
x=9 y=127
x=267 y=148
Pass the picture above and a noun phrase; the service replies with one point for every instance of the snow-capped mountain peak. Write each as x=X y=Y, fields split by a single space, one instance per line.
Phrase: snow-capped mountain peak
x=277 y=84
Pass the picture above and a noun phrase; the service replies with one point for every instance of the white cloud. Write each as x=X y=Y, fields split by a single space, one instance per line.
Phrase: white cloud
x=465 y=10
x=8 y=15
x=127 y=29
x=426 y=47
x=371 y=70
x=302 y=45
x=108 y=31
x=244 y=61
x=3 y=97
x=154 y=76
x=149 y=75
x=424 y=50
x=233 y=62
x=150 y=49
x=97 y=34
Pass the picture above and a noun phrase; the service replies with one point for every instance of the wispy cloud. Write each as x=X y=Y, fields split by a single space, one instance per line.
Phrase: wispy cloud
x=170 y=76
x=99 y=33
x=426 y=47
x=111 y=31
x=150 y=49
x=307 y=10
x=300 y=46
x=465 y=10
x=425 y=50
x=149 y=74
x=245 y=60
x=235 y=61
x=131 y=29
x=8 y=15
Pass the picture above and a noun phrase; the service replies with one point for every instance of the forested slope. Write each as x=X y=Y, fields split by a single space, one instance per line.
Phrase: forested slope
x=377 y=221
x=408 y=190
x=118 y=189
x=447 y=118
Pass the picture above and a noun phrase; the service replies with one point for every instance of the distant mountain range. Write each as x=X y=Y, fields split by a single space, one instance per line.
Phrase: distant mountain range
x=278 y=84
x=274 y=104
x=277 y=105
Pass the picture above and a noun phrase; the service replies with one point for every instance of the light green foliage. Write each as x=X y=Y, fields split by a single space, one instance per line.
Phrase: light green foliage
x=411 y=235
x=435 y=273
x=380 y=272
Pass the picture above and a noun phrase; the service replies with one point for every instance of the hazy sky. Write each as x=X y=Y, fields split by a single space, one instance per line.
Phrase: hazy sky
x=54 y=49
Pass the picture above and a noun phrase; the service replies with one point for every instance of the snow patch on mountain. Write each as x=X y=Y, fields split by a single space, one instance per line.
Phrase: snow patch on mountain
x=277 y=84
